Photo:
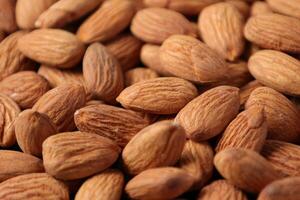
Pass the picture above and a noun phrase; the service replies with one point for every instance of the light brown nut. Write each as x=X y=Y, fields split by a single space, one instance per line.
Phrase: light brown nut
x=154 y=25
x=291 y=8
x=221 y=26
x=208 y=115
x=64 y=12
x=157 y=145
x=126 y=49
x=221 y=189
x=2 y=35
x=139 y=74
x=14 y=163
x=248 y=130
x=276 y=70
x=260 y=8
x=242 y=6
x=25 y=88
x=9 y=110
x=197 y=160
x=245 y=169
x=188 y=58
x=38 y=186
x=74 y=155
x=158 y=96
x=102 y=73
x=284 y=189
x=115 y=123
x=7 y=17
x=94 y=102
x=247 y=89
x=269 y=31
x=281 y=114
x=52 y=47
x=31 y=129
x=107 y=22
x=108 y=185
x=60 y=105
x=285 y=157
x=159 y=183
x=27 y=11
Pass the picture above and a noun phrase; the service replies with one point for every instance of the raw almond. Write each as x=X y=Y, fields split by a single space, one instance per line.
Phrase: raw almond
x=107 y=22
x=74 y=155
x=139 y=74
x=246 y=91
x=260 y=8
x=188 y=58
x=245 y=169
x=208 y=115
x=7 y=17
x=159 y=95
x=291 y=8
x=52 y=47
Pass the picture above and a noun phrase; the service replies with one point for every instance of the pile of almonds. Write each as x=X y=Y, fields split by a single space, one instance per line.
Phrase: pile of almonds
x=149 y=99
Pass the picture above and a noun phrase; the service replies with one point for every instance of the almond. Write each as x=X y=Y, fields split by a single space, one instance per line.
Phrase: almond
x=115 y=123
x=217 y=24
x=242 y=6
x=208 y=115
x=188 y=58
x=291 y=8
x=281 y=114
x=7 y=17
x=38 y=186
x=74 y=155
x=159 y=183
x=108 y=185
x=2 y=35
x=246 y=91
x=245 y=169
x=94 y=102
x=52 y=47
x=139 y=74
x=107 y=22
x=260 y=7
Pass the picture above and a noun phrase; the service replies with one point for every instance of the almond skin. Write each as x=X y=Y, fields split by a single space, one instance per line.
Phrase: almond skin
x=108 y=21
x=217 y=24
x=247 y=89
x=248 y=130
x=52 y=47
x=159 y=183
x=2 y=35
x=190 y=59
x=242 y=6
x=208 y=115
x=291 y=8
x=245 y=169
x=14 y=163
x=260 y=8
x=74 y=155
x=108 y=185
x=276 y=70
x=7 y=17
x=157 y=145
x=221 y=189
x=269 y=31
x=285 y=157
x=139 y=74
x=115 y=123
x=38 y=186
x=158 y=96
x=281 y=114
x=154 y=25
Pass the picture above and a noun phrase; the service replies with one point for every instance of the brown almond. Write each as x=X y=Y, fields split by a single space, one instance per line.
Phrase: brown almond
x=7 y=17
x=242 y=6
x=247 y=89
x=291 y=8
x=260 y=8
x=208 y=115
x=139 y=74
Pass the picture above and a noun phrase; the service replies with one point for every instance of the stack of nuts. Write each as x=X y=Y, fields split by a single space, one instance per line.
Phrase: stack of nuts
x=149 y=99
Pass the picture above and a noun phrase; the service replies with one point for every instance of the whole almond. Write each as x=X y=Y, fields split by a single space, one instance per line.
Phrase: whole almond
x=221 y=189
x=108 y=185
x=159 y=183
x=291 y=8
x=139 y=74
x=74 y=155
x=197 y=160
x=276 y=70
x=285 y=157
x=188 y=58
x=52 y=47
x=245 y=169
x=115 y=123
x=159 y=95
x=107 y=22
x=260 y=7
x=60 y=105
x=7 y=16
x=281 y=114
x=14 y=163
x=31 y=129
x=64 y=12
x=208 y=115
x=248 y=130
x=217 y=24
x=246 y=91
x=162 y=144
x=38 y=186
x=269 y=31
x=102 y=73
x=154 y=25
